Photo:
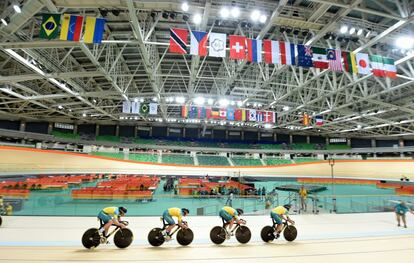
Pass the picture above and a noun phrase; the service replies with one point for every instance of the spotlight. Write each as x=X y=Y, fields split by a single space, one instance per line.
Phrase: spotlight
x=116 y=12
x=249 y=25
x=340 y=38
x=296 y=31
x=184 y=7
x=368 y=33
x=4 y=21
x=172 y=16
x=199 y=100
x=17 y=8
x=288 y=30
x=405 y=42
x=360 y=31
x=197 y=19
x=352 y=30
x=103 y=12
x=235 y=12
x=305 y=33
x=218 y=22
x=224 y=12
x=346 y=39
x=255 y=16
x=327 y=36
x=185 y=18
x=243 y=24
x=60 y=107
x=282 y=29
x=262 y=19
x=344 y=29
x=354 y=39
x=239 y=103
x=165 y=15
x=153 y=15
x=333 y=36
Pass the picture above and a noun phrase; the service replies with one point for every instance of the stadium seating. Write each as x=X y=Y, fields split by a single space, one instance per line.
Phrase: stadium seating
x=240 y=161
x=338 y=147
x=271 y=146
x=66 y=135
x=212 y=160
x=305 y=159
x=108 y=138
x=276 y=161
x=143 y=157
x=178 y=159
x=303 y=146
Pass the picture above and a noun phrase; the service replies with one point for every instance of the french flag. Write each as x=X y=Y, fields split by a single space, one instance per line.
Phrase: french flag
x=287 y=53
x=254 y=50
x=198 y=43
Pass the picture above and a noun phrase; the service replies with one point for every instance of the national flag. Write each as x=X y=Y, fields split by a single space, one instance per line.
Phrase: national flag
x=362 y=61
x=201 y=113
x=217 y=45
x=305 y=56
x=319 y=58
x=349 y=62
x=178 y=40
x=223 y=113
x=237 y=47
x=334 y=59
x=252 y=115
x=260 y=116
x=135 y=105
x=193 y=112
x=389 y=67
x=238 y=114
x=94 y=29
x=269 y=117
x=198 y=43
x=153 y=108
x=144 y=108
x=319 y=120
x=377 y=65
x=184 y=111
x=271 y=51
x=254 y=50
x=287 y=53
x=306 y=119
x=126 y=106
x=230 y=114
x=49 y=28
x=212 y=113
x=71 y=27
x=244 y=115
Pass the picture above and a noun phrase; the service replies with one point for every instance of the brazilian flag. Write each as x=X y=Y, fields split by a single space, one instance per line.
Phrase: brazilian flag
x=49 y=28
x=144 y=108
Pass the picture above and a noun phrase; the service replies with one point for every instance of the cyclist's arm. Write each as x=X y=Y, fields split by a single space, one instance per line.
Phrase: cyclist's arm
x=116 y=222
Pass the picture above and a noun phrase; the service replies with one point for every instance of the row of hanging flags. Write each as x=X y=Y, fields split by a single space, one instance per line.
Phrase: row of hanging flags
x=279 y=52
x=229 y=114
x=134 y=107
x=71 y=27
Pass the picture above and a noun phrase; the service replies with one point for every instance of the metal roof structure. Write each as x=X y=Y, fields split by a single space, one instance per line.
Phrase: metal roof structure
x=76 y=82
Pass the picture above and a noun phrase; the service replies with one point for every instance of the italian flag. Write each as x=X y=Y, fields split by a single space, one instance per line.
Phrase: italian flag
x=349 y=62
x=319 y=58
x=389 y=68
x=377 y=65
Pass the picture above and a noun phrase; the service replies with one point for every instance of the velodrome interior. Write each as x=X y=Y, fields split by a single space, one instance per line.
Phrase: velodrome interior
x=152 y=104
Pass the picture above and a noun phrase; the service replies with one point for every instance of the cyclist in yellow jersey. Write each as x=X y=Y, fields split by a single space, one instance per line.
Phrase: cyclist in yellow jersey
x=110 y=215
x=231 y=215
x=278 y=213
x=168 y=216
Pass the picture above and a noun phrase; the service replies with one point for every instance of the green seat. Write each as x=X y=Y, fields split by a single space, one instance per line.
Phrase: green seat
x=337 y=147
x=110 y=155
x=65 y=135
x=305 y=159
x=241 y=161
x=212 y=160
x=178 y=159
x=108 y=138
x=143 y=157
x=303 y=146
x=276 y=161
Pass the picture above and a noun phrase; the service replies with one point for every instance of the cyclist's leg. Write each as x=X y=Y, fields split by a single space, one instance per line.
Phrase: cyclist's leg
x=278 y=221
x=167 y=217
x=107 y=222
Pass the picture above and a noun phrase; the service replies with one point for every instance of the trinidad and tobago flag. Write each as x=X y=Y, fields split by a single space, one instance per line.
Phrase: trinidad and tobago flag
x=178 y=40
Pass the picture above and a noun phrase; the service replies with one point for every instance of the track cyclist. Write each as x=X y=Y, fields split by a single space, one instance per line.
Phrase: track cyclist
x=168 y=216
x=231 y=215
x=278 y=213
x=111 y=216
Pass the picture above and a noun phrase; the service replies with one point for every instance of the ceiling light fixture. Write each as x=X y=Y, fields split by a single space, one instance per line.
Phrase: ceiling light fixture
x=184 y=6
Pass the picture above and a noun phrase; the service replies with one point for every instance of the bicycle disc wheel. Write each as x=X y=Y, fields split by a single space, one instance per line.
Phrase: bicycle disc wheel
x=155 y=237
x=123 y=238
x=91 y=238
x=267 y=234
x=218 y=235
x=290 y=233
x=185 y=237
x=243 y=234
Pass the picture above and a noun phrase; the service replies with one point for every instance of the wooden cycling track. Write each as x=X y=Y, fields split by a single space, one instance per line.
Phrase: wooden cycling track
x=322 y=238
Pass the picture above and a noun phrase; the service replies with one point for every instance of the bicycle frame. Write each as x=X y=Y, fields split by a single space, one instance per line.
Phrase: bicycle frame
x=165 y=225
x=236 y=225
x=285 y=224
x=114 y=230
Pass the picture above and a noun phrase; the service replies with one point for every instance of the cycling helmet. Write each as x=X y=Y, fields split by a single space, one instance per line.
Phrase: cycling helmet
x=122 y=210
x=239 y=211
x=287 y=206
x=185 y=211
